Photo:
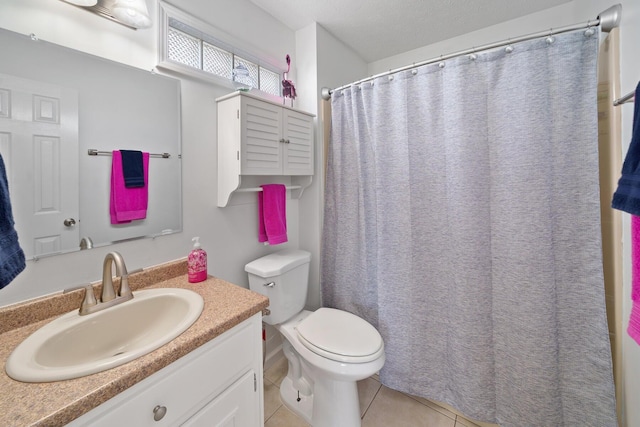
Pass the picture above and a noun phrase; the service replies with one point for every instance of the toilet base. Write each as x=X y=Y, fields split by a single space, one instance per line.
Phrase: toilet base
x=337 y=403
x=289 y=395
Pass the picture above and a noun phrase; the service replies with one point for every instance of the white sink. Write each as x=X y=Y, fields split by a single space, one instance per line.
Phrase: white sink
x=73 y=346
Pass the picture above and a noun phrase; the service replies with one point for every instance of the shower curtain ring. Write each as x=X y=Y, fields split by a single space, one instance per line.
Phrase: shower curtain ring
x=550 y=38
x=589 y=32
x=473 y=55
x=441 y=64
x=509 y=48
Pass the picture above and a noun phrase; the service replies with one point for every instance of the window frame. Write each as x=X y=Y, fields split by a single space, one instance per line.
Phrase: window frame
x=168 y=11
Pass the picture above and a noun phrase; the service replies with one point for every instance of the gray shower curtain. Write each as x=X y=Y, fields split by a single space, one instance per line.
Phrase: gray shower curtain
x=462 y=220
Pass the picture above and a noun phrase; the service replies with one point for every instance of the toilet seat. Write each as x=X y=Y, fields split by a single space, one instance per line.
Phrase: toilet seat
x=341 y=336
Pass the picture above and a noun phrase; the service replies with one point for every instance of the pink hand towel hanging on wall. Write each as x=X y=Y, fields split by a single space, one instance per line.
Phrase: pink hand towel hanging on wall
x=634 y=319
x=272 y=214
x=127 y=204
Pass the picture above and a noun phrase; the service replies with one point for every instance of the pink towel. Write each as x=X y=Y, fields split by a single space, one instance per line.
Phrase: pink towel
x=127 y=204
x=634 y=320
x=272 y=214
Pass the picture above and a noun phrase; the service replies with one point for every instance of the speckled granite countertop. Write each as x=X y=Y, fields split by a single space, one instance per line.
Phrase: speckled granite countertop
x=58 y=403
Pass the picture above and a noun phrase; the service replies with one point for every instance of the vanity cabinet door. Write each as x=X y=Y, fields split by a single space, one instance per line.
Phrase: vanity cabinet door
x=236 y=406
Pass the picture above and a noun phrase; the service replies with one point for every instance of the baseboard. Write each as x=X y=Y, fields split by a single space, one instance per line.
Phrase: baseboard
x=273 y=356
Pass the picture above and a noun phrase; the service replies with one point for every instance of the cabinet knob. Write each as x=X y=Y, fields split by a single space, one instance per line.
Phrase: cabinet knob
x=282 y=140
x=159 y=412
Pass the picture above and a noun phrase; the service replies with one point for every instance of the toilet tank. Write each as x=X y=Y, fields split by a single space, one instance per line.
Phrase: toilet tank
x=283 y=277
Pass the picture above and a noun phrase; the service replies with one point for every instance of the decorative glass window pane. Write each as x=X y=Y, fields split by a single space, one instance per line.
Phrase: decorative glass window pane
x=252 y=80
x=217 y=61
x=189 y=47
x=183 y=48
x=269 y=81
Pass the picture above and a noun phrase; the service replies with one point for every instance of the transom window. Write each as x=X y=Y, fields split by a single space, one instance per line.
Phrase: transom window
x=189 y=50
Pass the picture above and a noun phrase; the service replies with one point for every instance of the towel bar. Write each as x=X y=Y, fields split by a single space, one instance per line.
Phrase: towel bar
x=94 y=152
x=257 y=189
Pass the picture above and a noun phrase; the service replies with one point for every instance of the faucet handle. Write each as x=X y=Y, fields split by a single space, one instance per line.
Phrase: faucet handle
x=125 y=290
x=89 y=299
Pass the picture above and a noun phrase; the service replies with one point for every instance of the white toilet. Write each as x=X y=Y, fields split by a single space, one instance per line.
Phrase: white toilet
x=328 y=350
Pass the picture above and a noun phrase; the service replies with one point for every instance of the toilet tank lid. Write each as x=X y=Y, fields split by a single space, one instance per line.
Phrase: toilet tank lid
x=278 y=263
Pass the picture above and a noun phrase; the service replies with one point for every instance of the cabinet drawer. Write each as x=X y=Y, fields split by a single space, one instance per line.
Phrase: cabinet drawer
x=183 y=386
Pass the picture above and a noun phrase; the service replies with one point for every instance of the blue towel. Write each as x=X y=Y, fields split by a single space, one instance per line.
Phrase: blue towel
x=132 y=168
x=11 y=256
x=627 y=196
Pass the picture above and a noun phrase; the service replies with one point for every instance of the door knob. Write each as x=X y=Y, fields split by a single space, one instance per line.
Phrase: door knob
x=69 y=222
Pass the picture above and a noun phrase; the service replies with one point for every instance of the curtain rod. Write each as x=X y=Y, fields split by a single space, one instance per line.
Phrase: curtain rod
x=624 y=99
x=608 y=20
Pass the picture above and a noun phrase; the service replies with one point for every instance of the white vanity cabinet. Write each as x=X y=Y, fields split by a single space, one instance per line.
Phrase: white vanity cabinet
x=259 y=137
x=218 y=384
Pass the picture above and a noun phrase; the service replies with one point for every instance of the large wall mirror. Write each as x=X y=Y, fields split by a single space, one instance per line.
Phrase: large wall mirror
x=56 y=105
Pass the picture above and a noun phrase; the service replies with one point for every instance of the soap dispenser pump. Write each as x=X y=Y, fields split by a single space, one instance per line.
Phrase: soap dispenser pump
x=197 y=262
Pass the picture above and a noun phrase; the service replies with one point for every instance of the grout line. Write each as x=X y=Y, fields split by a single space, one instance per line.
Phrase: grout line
x=281 y=404
x=434 y=406
x=371 y=403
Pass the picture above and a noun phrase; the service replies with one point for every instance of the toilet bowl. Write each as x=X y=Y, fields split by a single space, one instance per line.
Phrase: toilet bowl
x=327 y=350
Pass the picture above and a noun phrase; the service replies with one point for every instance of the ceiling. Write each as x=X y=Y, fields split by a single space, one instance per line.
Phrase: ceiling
x=377 y=29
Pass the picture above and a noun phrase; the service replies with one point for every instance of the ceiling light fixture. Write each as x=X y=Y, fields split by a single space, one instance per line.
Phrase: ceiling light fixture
x=132 y=12
x=84 y=3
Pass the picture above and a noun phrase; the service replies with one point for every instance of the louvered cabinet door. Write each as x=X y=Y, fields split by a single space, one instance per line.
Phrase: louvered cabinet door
x=261 y=145
x=297 y=153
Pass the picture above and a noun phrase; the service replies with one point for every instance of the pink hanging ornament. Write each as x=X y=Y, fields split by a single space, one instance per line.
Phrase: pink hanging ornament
x=288 y=88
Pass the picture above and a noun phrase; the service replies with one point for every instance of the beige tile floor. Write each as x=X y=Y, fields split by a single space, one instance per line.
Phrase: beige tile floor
x=379 y=406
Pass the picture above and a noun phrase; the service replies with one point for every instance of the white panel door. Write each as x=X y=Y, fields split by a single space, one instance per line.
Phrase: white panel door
x=39 y=144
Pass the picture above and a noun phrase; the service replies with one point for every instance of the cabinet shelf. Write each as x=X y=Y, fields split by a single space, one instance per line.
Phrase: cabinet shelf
x=229 y=187
x=262 y=142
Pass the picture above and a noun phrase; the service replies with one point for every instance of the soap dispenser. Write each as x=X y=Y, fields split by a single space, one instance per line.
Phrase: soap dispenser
x=197 y=262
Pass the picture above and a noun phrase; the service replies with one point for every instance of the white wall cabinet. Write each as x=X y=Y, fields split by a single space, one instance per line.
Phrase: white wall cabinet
x=218 y=384
x=261 y=138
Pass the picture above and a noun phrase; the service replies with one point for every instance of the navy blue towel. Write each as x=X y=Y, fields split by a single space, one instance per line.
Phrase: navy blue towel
x=12 y=260
x=627 y=196
x=132 y=168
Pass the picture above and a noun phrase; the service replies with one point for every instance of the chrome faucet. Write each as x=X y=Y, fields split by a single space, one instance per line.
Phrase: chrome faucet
x=109 y=298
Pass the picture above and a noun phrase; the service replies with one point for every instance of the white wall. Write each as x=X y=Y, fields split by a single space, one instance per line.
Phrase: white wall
x=324 y=61
x=570 y=13
x=229 y=235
